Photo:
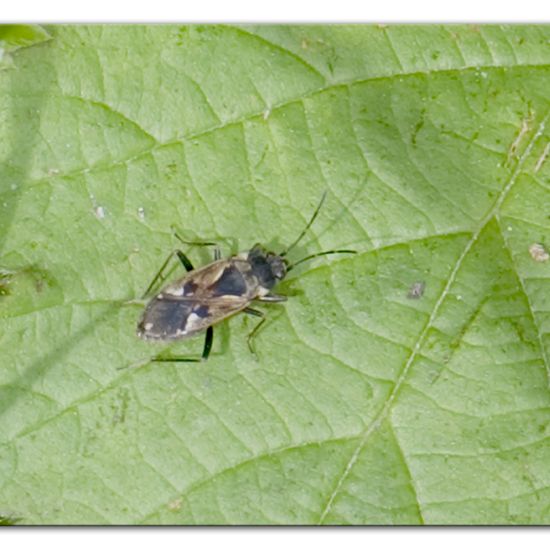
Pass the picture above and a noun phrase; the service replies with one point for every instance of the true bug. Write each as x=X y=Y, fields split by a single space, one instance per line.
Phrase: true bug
x=207 y=295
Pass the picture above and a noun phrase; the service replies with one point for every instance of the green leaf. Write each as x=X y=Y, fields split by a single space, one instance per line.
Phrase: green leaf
x=13 y=37
x=406 y=384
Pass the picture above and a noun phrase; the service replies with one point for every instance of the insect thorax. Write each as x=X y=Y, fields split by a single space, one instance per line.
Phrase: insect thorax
x=267 y=267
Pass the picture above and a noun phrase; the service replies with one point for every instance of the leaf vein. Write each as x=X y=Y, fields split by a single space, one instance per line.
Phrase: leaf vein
x=384 y=411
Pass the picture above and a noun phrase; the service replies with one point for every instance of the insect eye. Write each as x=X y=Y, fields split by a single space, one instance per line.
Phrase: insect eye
x=278 y=266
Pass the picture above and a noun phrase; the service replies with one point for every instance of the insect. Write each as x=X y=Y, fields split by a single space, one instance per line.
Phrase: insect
x=210 y=294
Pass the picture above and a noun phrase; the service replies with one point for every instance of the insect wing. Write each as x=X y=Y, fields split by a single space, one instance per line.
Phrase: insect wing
x=165 y=318
x=170 y=318
x=195 y=302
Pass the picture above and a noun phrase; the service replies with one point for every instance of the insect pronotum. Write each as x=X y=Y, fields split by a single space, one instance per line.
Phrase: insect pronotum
x=209 y=294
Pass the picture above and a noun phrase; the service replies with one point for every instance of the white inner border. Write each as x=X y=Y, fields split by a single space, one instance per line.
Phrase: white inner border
x=278 y=11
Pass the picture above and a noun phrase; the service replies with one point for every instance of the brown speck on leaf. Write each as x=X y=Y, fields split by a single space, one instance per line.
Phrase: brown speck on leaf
x=416 y=290
x=4 y=285
x=542 y=158
x=519 y=138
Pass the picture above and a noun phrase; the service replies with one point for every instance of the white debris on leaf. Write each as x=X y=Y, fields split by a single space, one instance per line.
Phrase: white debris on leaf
x=539 y=253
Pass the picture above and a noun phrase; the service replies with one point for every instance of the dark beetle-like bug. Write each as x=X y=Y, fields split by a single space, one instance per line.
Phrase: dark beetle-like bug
x=207 y=295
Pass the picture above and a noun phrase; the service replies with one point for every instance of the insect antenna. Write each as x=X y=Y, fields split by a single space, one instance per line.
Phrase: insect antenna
x=282 y=254
x=325 y=253
x=311 y=256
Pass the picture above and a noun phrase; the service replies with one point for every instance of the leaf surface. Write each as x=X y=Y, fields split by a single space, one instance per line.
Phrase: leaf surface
x=406 y=384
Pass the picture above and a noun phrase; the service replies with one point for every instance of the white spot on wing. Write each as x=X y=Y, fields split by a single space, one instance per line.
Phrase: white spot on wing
x=174 y=290
x=192 y=321
x=148 y=326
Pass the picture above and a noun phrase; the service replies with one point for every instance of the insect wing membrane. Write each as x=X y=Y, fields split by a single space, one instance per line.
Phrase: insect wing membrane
x=202 y=298
x=167 y=318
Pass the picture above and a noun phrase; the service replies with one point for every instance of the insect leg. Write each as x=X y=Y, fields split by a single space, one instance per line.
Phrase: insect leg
x=217 y=253
x=252 y=311
x=183 y=259
x=209 y=337
x=254 y=331
x=207 y=343
x=273 y=298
